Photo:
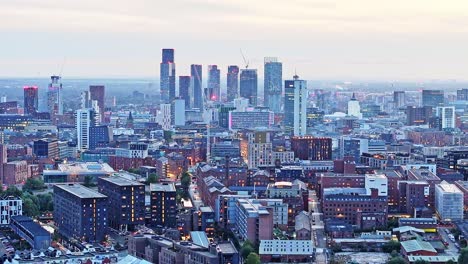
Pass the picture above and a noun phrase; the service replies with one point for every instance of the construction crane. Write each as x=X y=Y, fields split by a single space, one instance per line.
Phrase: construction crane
x=246 y=62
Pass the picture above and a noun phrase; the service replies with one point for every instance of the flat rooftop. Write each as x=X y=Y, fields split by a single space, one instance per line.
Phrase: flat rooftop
x=85 y=167
x=448 y=188
x=166 y=187
x=80 y=191
x=120 y=181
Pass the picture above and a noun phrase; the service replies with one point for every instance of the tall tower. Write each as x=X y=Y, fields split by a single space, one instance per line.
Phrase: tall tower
x=31 y=99
x=196 y=83
x=214 y=83
x=354 y=109
x=84 y=119
x=185 y=91
x=54 y=96
x=399 y=99
x=295 y=106
x=97 y=93
x=249 y=85
x=167 y=76
x=273 y=80
x=232 y=83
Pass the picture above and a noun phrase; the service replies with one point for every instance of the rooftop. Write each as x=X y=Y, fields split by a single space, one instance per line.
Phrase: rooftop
x=286 y=247
x=80 y=191
x=165 y=187
x=200 y=238
x=448 y=188
x=417 y=245
x=120 y=181
x=30 y=225
x=85 y=167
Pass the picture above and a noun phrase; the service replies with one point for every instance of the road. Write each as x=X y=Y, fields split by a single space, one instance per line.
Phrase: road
x=318 y=232
x=451 y=248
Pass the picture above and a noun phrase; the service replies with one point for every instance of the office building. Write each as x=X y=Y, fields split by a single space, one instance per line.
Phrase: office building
x=312 y=148
x=31 y=99
x=399 y=100
x=446 y=115
x=97 y=93
x=248 y=85
x=185 y=91
x=214 y=83
x=178 y=112
x=125 y=202
x=273 y=83
x=196 y=83
x=84 y=119
x=80 y=213
x=448 y=202
x=85 y=99
x=36 y=236
x=164 y=116
x=462 y=94
x=9 y=206
x=163 y=204
x=100 y=136
x=354 y=109
x=254 y=221
x=46 y=148
x=295 y=106
x=299 y=251
x=416 y=116
x=232 y=83
x=167 y=76
x=54 y=97
x=251 y=118
x=432 y=98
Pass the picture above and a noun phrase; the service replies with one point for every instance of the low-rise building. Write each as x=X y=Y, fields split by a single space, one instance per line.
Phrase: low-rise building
x=9 y=206
x=286 y=251
x=30 y=231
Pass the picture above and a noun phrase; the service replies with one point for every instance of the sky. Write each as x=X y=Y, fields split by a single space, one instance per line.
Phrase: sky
x=318 y=39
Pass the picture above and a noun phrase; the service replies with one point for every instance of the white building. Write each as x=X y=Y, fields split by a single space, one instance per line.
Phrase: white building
x=10 y=206
x=376 y=181
x=135 y=150
x=354 y=109
x=84 y=118
x=178 y=112
x=448 y=201
x=164 y=116
x=447 y=116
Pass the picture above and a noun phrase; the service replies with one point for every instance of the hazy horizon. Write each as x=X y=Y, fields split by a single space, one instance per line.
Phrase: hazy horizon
x=321 y=40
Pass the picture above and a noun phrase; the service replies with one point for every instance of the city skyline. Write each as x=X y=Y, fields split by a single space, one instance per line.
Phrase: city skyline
x=333 y=39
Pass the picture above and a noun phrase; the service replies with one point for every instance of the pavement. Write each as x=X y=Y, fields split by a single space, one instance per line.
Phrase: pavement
x=318 y=228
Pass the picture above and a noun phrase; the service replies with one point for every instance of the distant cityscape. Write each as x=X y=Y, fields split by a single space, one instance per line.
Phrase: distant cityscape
x=232 y=165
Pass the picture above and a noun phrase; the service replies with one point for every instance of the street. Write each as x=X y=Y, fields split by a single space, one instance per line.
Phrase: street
x=318 y=232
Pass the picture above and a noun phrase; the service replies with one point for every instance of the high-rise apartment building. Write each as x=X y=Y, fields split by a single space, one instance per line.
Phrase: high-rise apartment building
x=448 y=202
x=97 y=93
x=54 y=96
x=185 y=91
x=312 y=148
x=462 y=94
x=80 y=213
x=249 y=85
x=399 y=100
x=232 y=83
x=446 y=115
x=273 y=84
x=178 y=112
x=167 y=76
x=84 y=119
x=214 y=83
x=196 y=83
x=31 y=99
x=295 y=106
x=418 y=115
x=163 y=204
x=432 y=98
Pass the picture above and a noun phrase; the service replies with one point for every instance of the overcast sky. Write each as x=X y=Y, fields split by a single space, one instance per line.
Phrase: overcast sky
x=334 y=39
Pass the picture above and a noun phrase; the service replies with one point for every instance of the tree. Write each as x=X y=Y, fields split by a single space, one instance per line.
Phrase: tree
x=394 y=254
x=463 y=258
x=397 y=260
x=33 y=184
x=246 y=249
x=390 y=246
x=420 y=261
x=88 y=181
x=30 y=208
x=450 y=262
x=46 y=202
x=253 y=258
x=13 y=191
x=152 y=178
x=185 y=180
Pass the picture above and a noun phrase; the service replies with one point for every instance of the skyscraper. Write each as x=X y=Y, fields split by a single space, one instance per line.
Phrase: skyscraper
x=248 y=85
x=232 y=83
x=84 y=119
x=167 y=76
x=399 y=99
x=354 y=109
x=446 y=115
x=196 y=83
x=31 y=98
x=184 y=90
x=54 y=97
x=214 y=83
x=432 y=98
x=273 y=80
x=295 y=106
x=97 y=93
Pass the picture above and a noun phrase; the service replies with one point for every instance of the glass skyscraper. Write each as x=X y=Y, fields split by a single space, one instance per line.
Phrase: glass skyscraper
x=232 y=82
x=196 y=83
x=184 y=90
x=273 y=80
x=214 y=83
x=248 y=85
x=167 y=76
x=295 y=106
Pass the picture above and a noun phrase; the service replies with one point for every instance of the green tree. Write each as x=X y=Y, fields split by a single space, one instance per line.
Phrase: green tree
x=463 y=258
x=420 y=261
x=46 y=202
x=88 y=181
x=394 y=254
x=185 y=180
x=246 y=249
x=152 y=178
x=397 y=260
x=33 y=184
x=168 y=136
x=13 y=191
x=30 y=208
x=253 y=258
x=450 y=262
x=390 y=246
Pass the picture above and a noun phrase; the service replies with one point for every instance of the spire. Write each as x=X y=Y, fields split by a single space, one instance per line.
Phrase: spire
x=354 y=97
